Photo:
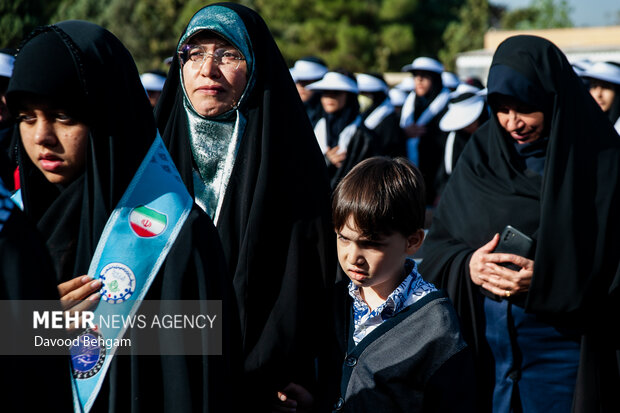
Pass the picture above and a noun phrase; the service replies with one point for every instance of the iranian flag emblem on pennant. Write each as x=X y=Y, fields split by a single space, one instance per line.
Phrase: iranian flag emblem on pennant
x=147 y=222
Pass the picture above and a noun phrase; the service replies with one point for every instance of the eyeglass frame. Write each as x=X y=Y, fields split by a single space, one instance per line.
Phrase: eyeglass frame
x=216 y=59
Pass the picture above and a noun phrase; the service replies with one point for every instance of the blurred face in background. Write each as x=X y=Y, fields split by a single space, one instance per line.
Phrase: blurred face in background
x=153 y=96
x=333 y=100
x=5 y=116
x=423 y=82
x=304 y=94
x=603 y=92
x=472 y=127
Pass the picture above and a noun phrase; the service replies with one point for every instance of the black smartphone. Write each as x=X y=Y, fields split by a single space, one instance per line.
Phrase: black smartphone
x=513 y=241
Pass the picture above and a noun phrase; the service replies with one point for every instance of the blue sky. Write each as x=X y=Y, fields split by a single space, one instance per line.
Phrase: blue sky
x=584 y=12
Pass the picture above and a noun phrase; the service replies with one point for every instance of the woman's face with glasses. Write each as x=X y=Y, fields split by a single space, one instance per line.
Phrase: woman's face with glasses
x=214 y=73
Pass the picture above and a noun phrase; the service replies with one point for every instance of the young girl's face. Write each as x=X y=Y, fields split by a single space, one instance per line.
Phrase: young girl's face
x=423 y=82
x=375 y=263
x=54 y=141
x=304 y=94
x=333 y=100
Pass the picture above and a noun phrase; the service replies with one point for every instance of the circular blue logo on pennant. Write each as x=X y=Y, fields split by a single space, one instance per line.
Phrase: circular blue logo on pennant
x=88 y=355
x=118 y=281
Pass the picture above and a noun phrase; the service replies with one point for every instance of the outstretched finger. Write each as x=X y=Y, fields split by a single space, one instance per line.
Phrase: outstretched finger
x=491 y=245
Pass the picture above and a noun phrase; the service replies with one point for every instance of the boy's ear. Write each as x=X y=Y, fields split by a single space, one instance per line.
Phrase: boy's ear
x=414 y=241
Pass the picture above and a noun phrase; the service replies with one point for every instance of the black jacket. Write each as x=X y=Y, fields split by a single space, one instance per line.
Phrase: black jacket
x=413 y=362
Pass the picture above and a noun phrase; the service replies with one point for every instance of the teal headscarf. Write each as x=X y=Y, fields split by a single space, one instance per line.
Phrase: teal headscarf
x=215 y=140
x=227 y=24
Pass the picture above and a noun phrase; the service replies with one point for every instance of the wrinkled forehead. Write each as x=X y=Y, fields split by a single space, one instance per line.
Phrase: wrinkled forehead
x=209 y=37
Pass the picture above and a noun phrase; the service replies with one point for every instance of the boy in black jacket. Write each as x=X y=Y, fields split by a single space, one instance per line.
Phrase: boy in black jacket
x=397 y=344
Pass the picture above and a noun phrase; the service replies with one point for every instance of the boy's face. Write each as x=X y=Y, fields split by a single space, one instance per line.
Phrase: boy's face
x=379 y=263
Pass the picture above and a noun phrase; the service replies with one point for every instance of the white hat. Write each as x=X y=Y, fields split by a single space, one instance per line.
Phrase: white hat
x=153 y=82
x=406 y=85
x=335 y=81
x=370 y=84
x=463 y=113
x=424 y=63
x=465 y=88
x=397 y=96
x=450 y=80
x=6 y=64
x=306 y=70
x=580 y=66
x=603 y=71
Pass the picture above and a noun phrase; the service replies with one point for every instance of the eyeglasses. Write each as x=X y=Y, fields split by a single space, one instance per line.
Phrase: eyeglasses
x=196 y=54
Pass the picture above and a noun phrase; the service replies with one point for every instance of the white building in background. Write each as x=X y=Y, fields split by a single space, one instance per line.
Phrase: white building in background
x=583 y=43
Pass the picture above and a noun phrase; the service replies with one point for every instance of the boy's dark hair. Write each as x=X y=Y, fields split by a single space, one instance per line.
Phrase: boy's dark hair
x=383 y=196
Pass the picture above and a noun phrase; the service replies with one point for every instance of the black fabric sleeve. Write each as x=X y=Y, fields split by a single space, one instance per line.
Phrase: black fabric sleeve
x=453 y=386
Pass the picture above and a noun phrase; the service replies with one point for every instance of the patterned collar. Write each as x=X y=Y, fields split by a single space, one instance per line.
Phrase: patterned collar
x=409 y=291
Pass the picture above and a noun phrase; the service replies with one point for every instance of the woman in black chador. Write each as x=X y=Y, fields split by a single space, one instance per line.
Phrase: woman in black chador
x=548 y=164
x=85 y=125
x=238 y=133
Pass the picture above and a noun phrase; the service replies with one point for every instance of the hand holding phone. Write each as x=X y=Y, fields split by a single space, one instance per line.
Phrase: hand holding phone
x=486 y=267
x=513 y=241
